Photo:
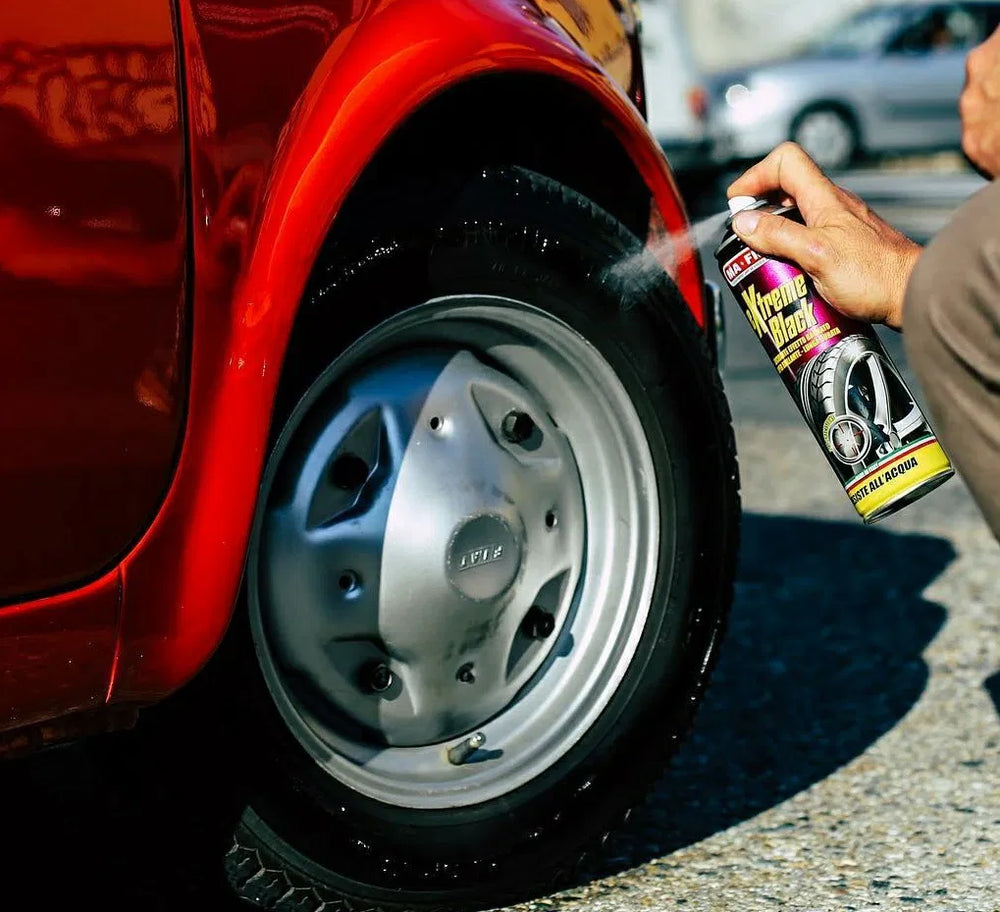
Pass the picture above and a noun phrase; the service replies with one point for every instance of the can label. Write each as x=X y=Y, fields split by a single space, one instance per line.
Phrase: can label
x=791 y=322
x=846 y=386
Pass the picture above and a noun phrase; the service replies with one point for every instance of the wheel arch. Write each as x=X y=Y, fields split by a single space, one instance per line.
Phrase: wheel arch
x=499 y=119
x=513 y=118
x=399 y=70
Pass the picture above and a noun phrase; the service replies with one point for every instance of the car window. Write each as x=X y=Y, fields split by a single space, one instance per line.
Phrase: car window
x=861 y=34
x=955 y=27
x=868 y=31
x=990 y=16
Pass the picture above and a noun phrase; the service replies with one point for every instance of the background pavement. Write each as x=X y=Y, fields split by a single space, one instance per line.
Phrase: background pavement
x=846 y=756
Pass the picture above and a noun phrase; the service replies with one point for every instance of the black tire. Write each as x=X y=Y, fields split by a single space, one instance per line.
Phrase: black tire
x=824 y=386
x=304 y=840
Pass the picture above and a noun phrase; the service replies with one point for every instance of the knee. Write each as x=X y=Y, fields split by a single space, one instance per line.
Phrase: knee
x=952 y=304
x=923 y=312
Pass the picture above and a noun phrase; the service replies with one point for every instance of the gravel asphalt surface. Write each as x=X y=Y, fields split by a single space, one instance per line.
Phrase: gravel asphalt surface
x=846 y=757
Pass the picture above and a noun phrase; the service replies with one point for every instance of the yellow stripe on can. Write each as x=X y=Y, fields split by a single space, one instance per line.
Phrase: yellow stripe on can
x=878 y=491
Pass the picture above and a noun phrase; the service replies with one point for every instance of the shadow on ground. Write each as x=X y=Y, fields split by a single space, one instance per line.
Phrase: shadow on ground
x=96 y=825
x=992 y=685
x=823 y=656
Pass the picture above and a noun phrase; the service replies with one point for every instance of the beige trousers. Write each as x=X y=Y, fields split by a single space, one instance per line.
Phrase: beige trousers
x=951 y=329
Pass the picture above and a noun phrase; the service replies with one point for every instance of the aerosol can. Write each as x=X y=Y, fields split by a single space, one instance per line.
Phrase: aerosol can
x=849 y=391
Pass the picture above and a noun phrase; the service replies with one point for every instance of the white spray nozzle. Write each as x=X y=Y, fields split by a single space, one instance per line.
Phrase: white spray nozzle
x=738 y=203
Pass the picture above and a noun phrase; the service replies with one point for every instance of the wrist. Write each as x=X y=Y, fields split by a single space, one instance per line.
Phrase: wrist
x=906 y=261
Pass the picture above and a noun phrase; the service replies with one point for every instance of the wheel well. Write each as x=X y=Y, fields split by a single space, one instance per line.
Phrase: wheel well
x=832 y=104
x=492 y=121
x=535 y=121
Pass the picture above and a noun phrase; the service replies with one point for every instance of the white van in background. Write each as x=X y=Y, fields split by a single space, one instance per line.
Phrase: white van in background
x=676 y=101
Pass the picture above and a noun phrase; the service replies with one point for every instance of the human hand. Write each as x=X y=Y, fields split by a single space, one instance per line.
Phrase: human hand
x=859 y=263
x=979 y=106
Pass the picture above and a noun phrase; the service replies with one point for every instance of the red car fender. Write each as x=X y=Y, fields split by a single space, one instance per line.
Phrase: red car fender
x=182 y=579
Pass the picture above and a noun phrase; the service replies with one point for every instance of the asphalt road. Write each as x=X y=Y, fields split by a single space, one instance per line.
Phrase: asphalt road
x=846 y=757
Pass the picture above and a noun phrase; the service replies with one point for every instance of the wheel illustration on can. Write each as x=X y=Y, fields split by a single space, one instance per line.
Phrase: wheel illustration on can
x=848 y=439
x=857 y=383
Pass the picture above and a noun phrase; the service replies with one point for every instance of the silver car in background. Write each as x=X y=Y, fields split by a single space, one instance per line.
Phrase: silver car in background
x=887 y=79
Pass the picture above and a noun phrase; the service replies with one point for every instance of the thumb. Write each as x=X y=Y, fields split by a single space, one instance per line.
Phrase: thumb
x=778 y=236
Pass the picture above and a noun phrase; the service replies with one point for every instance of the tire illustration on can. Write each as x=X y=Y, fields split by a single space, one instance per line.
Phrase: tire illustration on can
x=861 y=388
x=848 y=389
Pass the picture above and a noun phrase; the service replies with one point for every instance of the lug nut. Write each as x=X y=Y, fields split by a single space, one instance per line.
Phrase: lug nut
x=538 y=623
x=467 y=673
x=464 y=749
x=376 y=677
x=517 y=427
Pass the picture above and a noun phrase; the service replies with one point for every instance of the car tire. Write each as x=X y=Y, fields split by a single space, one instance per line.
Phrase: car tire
x=829 y=135
x=530 y=260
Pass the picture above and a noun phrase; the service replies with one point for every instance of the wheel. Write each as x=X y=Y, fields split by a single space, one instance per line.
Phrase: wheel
x=828 y=135
x=492 y=558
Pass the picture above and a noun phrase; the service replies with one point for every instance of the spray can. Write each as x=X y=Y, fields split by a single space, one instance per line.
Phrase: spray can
x=849 y=391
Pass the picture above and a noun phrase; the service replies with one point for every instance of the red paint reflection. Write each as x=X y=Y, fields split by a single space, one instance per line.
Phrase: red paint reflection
x=92 y=239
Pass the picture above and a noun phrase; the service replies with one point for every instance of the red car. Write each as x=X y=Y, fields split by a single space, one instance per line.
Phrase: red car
x=364 y=340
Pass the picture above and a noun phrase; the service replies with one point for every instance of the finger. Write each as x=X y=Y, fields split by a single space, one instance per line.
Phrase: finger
x=778 y=236
x=790 y=171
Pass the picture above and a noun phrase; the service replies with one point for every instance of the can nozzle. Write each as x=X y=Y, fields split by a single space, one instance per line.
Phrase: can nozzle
x=738 y=203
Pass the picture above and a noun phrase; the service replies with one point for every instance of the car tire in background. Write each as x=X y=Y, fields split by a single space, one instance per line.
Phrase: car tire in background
x=829 y=134
x=492 y=558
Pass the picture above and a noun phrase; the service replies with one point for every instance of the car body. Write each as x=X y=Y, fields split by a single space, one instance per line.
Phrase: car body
x=135 y=226
x=886 y=79
x=181 y=183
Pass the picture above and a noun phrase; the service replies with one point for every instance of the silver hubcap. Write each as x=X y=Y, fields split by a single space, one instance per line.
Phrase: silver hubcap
x=826 y=137
x=456 y=554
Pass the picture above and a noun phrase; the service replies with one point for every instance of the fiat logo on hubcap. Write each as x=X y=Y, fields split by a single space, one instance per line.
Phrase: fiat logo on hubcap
x=478 y=556
x=484 y=557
